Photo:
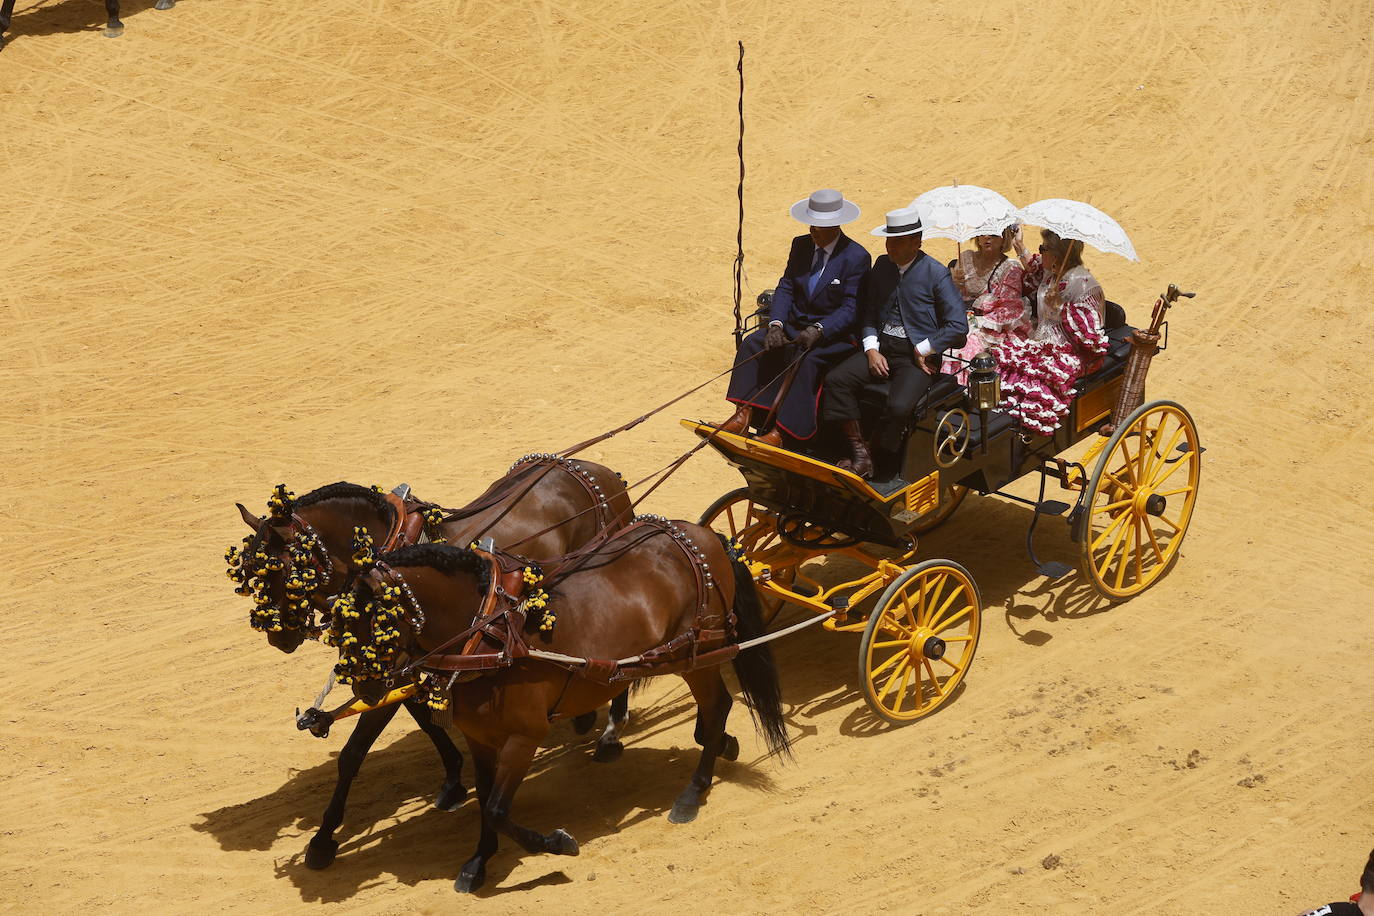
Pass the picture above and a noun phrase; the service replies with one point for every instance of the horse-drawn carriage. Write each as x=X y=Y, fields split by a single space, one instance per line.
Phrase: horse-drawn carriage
x=469 y=635
x=1133 y=495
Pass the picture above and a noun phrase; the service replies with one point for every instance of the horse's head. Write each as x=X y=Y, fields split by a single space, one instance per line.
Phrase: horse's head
x=302 y=553
x=368 y=627
x=416 y=600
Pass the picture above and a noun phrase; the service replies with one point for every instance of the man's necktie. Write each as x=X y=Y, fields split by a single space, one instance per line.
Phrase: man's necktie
x=817 y=266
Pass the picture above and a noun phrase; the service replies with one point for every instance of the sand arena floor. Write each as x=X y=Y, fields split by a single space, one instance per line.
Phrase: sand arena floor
x=255 y=242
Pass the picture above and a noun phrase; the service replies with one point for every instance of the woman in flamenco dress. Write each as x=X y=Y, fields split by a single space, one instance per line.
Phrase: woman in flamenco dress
x=991 y=284
x=1067 y=341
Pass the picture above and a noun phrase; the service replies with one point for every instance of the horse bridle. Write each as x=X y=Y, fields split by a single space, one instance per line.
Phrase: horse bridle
x=291 y=529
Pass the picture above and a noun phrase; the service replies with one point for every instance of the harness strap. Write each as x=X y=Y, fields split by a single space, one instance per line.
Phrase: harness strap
x=406 y=524
x=500 y=617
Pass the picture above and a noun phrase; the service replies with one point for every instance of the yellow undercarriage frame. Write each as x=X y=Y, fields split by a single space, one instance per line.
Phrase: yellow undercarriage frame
x=917 y=643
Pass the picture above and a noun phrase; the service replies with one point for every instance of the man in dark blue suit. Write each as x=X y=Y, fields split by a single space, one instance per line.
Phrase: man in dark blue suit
x=910 y=312
x=814 y=309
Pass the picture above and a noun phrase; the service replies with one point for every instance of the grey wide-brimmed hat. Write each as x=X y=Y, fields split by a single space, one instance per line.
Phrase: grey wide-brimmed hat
x=826 y=207
x=906 y=221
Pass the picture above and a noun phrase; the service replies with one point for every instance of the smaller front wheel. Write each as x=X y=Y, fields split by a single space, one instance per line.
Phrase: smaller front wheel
x=920 y=640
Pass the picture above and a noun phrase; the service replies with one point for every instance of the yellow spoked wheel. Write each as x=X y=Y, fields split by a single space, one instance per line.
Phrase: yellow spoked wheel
x=920 y=640
x=755 y=528
x=1140 y=499
x=950 y=498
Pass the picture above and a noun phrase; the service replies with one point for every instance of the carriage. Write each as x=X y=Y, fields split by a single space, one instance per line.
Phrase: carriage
x=1131 y=496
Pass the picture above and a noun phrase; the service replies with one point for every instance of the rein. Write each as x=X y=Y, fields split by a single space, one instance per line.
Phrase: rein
x=662 y=407
x=667 y=470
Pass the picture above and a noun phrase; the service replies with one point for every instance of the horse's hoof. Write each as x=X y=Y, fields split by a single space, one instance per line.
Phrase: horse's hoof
x=111 y=32
x=610 y=750
x=583 y=723
x=164 y=4
x=451 y=797
x=468 y=882
x=730 y=750
x=683 y=812
x=562 y=842
x=320 y=853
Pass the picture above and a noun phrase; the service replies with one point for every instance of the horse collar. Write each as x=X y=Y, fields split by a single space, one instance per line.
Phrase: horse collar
x=579 y=473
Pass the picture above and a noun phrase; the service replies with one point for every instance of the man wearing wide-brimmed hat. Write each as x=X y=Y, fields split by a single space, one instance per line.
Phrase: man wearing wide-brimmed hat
x=909 y=313
x=814 y=309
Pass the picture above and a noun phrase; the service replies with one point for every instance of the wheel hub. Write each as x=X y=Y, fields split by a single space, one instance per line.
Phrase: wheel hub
x=1155 y=504
x=933 y=648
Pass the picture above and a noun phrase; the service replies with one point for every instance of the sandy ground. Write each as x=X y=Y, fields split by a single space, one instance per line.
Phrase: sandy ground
x=255 y=242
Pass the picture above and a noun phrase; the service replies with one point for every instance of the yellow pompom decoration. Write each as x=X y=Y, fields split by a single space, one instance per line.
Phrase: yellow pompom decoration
x=363 y=555
x=279 y=503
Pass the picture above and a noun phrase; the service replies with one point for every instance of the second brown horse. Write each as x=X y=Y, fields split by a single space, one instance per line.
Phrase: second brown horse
x=656 y=584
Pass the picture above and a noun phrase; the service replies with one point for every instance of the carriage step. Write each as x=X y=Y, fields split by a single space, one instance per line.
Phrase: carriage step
x=1052 y=569
x=1051 y=507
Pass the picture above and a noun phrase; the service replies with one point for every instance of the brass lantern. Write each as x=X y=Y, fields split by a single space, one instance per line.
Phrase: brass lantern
x=984 y=384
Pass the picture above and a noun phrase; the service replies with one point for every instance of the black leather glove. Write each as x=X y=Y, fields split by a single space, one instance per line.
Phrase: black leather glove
x=774 y=338
x=809 y=338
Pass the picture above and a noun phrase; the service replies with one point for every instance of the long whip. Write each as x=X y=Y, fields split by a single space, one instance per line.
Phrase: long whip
x=739 y=229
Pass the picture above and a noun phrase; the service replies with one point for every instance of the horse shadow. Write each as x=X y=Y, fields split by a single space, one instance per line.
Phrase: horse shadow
x=393 y=833
x=55 y=17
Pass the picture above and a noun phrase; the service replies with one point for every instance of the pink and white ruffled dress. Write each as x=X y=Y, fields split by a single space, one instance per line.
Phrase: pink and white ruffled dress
x=998 y=311
x=1067 y=343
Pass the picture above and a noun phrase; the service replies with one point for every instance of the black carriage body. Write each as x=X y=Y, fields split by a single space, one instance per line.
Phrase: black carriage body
x=991 y=462
x=807 y=492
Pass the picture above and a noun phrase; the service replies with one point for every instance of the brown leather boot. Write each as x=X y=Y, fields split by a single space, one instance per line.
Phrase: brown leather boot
x=737 y=423
x=773 y=437
x=860 y=462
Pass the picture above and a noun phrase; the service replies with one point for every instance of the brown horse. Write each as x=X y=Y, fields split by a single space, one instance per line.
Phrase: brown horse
x=311 y=540
x=653 y=588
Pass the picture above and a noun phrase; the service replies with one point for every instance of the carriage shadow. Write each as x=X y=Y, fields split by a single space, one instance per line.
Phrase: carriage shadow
x=820 y=670
x=55 y=17
x=393 y=833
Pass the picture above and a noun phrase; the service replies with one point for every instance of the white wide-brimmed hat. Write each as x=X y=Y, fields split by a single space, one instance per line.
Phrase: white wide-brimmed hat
x=826 y=207
x=906 y=221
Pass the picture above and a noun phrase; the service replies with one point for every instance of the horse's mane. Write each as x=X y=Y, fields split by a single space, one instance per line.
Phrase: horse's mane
x=443 y=557
x=341 y=490
x=345 y=490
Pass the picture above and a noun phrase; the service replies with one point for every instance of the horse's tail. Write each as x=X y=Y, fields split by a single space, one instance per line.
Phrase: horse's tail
x=754 y=667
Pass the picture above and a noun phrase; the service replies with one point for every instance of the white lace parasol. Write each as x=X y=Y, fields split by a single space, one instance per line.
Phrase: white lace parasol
x=1072 y=219
x=961 y=211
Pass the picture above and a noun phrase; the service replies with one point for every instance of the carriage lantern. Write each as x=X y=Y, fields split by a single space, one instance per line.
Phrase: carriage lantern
x=983 y=381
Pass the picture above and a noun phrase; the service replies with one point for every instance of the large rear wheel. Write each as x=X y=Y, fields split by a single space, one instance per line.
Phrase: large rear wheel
x=1140 y=499
x=920 y=640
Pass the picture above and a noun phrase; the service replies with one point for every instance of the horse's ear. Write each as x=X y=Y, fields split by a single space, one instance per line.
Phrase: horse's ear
x=249 y=518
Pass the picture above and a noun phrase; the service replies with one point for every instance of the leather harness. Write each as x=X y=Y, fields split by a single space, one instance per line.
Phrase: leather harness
x=496 y=638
